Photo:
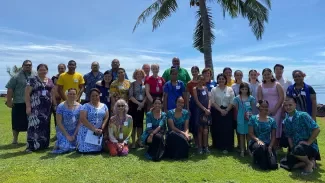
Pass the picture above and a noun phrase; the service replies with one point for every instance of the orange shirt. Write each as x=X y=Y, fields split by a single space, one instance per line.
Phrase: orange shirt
x=190 y=86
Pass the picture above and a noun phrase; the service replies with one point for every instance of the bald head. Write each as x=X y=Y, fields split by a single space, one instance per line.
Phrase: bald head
x=115 y=64
x=95 y=66
x=176 y=62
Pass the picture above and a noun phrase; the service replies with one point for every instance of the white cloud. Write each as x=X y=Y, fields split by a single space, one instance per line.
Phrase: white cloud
x=219 y=32
x=42 y=48
x=151 y=51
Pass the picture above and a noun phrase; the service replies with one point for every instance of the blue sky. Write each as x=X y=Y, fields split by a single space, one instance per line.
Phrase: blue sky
x=56 y=31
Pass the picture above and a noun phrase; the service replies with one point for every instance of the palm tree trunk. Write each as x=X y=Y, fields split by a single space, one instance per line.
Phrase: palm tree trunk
x=206 y=36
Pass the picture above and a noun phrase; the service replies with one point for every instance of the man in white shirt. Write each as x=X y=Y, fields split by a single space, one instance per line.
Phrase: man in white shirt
x=278 y=70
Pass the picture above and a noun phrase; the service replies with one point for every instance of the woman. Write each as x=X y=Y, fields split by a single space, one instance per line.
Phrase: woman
x=238 y=80
x=93 y=116
x=190 y=85
x=104 y=86
x=228 y=73
x=67 y=115
x=154 y=86
x=262 y=129
x=119 y=88
x=253 y=85
x=137 y=96
x=153 y=136
x=222 y=115
x=177 y=138
x=201 y=111
x=119 y=130
x=272 y=91
x=39 y=96
x=207 y=73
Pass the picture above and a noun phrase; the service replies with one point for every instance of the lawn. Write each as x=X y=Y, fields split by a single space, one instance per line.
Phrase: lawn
x=16 y=166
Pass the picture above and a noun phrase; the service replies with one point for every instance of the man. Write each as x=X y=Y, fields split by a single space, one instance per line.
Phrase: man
x=16 y=99
x=61 y=69
x=302 y=132
x=182 y=73
x=115 y=66
x=70 y=79
x=91 y=78
x=146 y=69
x=278 y=70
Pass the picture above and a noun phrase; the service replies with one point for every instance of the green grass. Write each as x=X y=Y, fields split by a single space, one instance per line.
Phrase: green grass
x=16 y=166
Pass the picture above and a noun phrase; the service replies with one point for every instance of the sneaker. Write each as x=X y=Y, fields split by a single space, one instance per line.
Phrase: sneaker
x=206 y=150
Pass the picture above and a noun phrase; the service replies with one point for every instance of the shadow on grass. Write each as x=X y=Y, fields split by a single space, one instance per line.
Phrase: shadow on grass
x=313 y=177
x=12 y=155
x=12 y=146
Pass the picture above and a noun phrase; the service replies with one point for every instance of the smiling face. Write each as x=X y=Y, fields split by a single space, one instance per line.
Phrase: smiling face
x=72 y=66
x=239 y=76
x=94 y=97
x=95 y=67
x=108 y=77
x=180 y=103
x=139 y=75
x=207 y=75
x=120 y=74
x=154 y=69
x=289 y=105
x=263 y=109
x=157 y=104
x=278 y=71
x=27 y=66
x=61 y=68
x=221 y=81
x=253 y=75
x=42 y=71
x=173 y=74
x=228 y=74
x=195 y=73
x=267 y=76
x=201 y=80
x=146 y=69
x=72 y=95
x=298 y=77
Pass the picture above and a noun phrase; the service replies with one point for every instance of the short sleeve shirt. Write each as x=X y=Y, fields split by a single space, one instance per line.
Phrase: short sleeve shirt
x=182 y=75
x=90 y=82
x=156 y=84
x=18 y=83
x=70 y=81
x=173 y=93
x=262 y=130
x=222 y=97
x=179 y=123
x=120 y=89
x=137 y=91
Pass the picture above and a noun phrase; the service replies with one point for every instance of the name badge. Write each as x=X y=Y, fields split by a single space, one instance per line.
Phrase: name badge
x=247 y=104
x=140 y=97
x=303 y=93
x=43 y=92
x=76 y=80
x=143 y=86
x=120 y=136
x=211 y=86
x=73 y=118
x=108 y=99
x=159 y=81
x=178 y=87
x=204 y=92
x=157 y=89
x=126 y=123
x=149 y=125
x=100 y=94
x=121 y=87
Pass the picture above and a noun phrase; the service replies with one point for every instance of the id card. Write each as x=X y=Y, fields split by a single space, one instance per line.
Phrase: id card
x=303 y=93
x=141 y=97
x=121 y=87
x=126 y=123
x=76 y=80
x=43 y=92
x=204 y=92
x=157 y=89
x=247 y=104
x=120 y=136
x=178 y=87
x=73 y=119
x=149 y=125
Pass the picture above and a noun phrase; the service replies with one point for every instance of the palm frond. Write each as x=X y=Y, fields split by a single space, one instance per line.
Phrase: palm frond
x=198 y=35
x=230 y=6
x=166 y=9
x=154 y=7
x=268 y=3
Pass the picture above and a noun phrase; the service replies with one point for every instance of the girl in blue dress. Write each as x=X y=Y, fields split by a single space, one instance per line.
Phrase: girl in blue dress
x=244 y=104
x=67 y=115
x=93 y=116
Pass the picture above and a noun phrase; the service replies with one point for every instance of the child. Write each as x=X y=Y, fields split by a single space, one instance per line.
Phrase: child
x=244 y=104
x=202 y=114
x=253 y=85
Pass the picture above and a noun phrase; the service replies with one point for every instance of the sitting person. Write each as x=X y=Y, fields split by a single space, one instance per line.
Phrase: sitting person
x=153 y=136
x=67 y=120
x=119 y=130
x=93 y=116
x=262 y=130
x=302 y=132
x=177 y=138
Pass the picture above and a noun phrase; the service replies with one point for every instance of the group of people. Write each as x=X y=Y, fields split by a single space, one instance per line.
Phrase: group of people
x=265 y=115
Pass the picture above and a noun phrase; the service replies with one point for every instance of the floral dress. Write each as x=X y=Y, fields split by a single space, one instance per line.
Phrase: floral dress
x=70 y=118
x=38 y=132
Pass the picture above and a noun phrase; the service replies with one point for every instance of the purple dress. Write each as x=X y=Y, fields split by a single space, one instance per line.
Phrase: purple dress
x=272 y=96
x=38 y=132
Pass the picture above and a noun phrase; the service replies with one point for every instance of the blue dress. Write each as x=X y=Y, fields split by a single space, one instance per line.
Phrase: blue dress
x=95 y=116
x=262 y=130
x=70 y=118
x=152 y=123
x=243 y=106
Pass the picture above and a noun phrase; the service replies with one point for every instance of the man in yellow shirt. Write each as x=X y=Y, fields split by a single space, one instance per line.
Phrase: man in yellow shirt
x=70 y=79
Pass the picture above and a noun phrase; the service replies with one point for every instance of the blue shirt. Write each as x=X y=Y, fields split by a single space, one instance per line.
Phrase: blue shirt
x=104 y=95
x=179 y=123
x=211 y=85
x=90 y=82
x=115 y=75
x=300 y=127
x=262 y=130
x=173 y=93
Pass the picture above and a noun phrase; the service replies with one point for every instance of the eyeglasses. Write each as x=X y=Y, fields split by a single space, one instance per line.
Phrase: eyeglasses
x=120 y=106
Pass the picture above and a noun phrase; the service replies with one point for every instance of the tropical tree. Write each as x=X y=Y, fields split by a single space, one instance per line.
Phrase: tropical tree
x=256 y=11
x=14 y=70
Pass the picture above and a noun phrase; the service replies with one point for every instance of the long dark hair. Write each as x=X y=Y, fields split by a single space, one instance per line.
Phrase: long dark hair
x=221 y=75
x=107 y=72
x=235 y=74
x=269 y=70
x=249 y=73
x=244 y=85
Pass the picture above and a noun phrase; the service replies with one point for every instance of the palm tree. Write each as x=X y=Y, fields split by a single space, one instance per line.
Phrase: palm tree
x=255 y=11
x=14 y=70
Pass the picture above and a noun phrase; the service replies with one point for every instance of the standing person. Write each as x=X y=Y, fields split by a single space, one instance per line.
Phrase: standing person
x=91 y=79
x=119 y=88
x=209 y=83
x=278 y=71
x=16 y=99
x=61 y=69
x=238 y=80
x=303 y=93
x=104 y=86
x=146 y=69
x=137 y=96
x=39 y=95
x=173 y=89
x=115 y=66
x=272 y=91
x=70 y=79
x=302 y=132
x=93 y=118
x=262 y=133
x=177 y=138
x=228 y=73
x=222 y=115
x=253 y=85
x=68 y=124
x=154 y=86
x=201 y=115
x=243 y=103
x=119 y=130
x=190 y=85
x=182 y=73
x=153 y=136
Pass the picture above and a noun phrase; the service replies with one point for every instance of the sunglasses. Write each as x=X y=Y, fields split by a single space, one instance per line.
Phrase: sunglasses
x=121 y=106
